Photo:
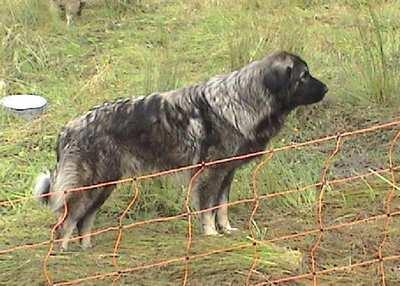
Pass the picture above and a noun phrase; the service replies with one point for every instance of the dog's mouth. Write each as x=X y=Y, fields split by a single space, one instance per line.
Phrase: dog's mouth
x=323 y=93
x=325 y=90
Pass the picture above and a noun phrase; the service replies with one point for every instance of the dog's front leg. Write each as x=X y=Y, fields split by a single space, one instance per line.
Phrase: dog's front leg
x=85 y=228
x=208 y=223
x=223 y=198
x=205 y=194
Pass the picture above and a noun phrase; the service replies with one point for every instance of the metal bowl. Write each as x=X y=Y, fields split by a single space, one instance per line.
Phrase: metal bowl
x=27 y=106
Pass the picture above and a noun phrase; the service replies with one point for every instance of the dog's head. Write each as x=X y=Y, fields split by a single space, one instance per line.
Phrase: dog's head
x=287 y=77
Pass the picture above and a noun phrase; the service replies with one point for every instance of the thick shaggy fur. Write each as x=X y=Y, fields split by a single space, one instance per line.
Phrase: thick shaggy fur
x=228 y=115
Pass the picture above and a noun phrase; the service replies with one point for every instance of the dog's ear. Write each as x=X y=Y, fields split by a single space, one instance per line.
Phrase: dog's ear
x=277 y=77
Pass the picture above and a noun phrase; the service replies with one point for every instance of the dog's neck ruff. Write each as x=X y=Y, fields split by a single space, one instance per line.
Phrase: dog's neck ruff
x=243 y=101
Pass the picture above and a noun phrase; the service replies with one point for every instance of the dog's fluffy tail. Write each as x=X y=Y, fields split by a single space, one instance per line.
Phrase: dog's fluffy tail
x=42 y=187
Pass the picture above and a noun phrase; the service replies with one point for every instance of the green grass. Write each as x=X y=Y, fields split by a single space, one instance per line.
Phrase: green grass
x=121 y=48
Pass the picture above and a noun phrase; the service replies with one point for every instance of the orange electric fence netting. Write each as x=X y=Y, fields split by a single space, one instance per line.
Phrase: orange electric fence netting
x=197 y=169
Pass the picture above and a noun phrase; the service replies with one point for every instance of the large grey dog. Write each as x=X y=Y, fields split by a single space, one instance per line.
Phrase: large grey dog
x=228 y=115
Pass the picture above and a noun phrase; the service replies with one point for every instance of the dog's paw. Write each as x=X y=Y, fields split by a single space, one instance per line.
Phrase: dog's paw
x=59 y=250
x=228 y=230
x=86 y=246
x=210 y=232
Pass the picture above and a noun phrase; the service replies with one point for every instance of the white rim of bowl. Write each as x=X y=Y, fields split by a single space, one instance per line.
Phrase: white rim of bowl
x=23 y=101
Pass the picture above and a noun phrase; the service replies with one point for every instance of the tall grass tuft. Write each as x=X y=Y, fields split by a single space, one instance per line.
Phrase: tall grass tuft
x=122 y=6
x=163 y=74
x=27 y=13
x=246 y=43
x=376 y=61
x=23 y=53
x=244 y=49
x=290 y=36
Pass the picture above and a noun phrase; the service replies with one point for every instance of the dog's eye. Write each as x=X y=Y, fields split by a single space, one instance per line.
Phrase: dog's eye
x=303 y=77
x=289 y=71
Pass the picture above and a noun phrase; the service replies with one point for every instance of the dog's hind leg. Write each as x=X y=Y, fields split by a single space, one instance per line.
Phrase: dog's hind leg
x=89 y=203
x=67 y=227
x=223 y=224
x=66 y=230
x=67 y=177
x=84 y=229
